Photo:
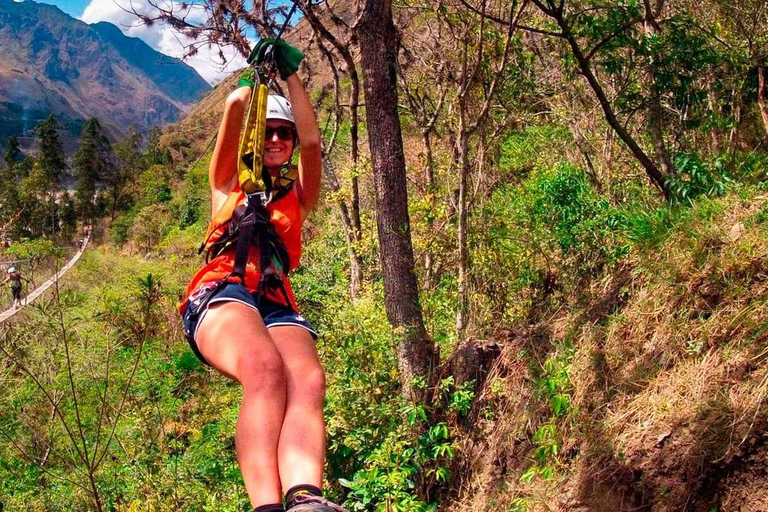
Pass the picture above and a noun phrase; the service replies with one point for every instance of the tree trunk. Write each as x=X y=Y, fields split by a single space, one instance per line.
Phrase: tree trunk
x=761 y=95
x=354 y=102
x=655 y=122
x=655 y=113
x=429 y=174
x=351 y=220
x=733 y=134
x=462 y=312
x=378 y=47
x=355 y=261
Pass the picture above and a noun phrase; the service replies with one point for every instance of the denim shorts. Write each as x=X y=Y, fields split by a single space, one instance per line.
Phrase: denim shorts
x=273 y=313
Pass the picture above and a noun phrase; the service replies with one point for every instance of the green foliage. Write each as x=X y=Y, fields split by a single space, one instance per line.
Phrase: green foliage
x=51 y=154
x=554 y=383
x=411 y=458
x=92 y=162
x=536 y=140
x=694 y=178
x=149 y=226
x=120 y=229
x=134 y=382
x=192 y=203
x=550 y=231
x=555 y=387
x=34 y=250
x=746 y=168
x=12 y=153
x=673 y=59
x=648 y=227
x=154 y=185
x=122 y=182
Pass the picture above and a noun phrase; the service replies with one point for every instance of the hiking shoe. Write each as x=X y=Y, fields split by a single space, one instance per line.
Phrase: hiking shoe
x=309 y=503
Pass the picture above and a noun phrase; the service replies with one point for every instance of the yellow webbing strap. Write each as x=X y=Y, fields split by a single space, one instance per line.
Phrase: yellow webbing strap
x=251 y=150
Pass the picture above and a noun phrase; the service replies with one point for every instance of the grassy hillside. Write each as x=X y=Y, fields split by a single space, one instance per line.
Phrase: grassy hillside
x=622 y=349
x=644 y=388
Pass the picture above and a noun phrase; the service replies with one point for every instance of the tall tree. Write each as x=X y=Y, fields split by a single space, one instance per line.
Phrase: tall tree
x=92 y=162
x=51 y=156
x=129 y=164
x=349 y=207
x=10 y=203
x=557 y=11
x=378 y=38
x=40 y=210
x=12 y=154
x=52 y=165
x=481 y=68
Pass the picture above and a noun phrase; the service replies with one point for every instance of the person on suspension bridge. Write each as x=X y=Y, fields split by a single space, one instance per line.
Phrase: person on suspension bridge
x=240 y=315
x=15 y=278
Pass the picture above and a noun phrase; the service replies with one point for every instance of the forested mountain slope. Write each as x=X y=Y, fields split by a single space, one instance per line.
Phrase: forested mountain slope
x=54 y=64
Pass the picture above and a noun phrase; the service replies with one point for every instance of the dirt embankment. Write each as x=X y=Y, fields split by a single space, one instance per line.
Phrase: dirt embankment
x=665 y=369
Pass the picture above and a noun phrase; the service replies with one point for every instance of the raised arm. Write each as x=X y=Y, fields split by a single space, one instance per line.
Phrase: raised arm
x=287 y=58
x=310 y=159
x=222 y=172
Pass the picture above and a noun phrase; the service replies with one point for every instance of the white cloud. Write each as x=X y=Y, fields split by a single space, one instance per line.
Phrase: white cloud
x=162 y=37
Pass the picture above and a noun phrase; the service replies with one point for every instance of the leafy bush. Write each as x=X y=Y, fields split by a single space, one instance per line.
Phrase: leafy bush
x=154 y=185
x=750 y=168
x=120 y=230
x=647 y=227
x=534 y=141
x=412 y=458
x=694 y=178
x=544 y=233
x=554 y=386
x=149 y=226
x=35 y=250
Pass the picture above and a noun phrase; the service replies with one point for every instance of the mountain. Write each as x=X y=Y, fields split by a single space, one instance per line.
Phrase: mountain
x=53 y=63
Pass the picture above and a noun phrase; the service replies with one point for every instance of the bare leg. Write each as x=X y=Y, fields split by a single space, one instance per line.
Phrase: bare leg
x=232 y=337
x=301 y=453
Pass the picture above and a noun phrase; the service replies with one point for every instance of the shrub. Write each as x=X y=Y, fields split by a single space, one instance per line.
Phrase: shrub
x=551 y=228
x=120 y=230
x=694 y=178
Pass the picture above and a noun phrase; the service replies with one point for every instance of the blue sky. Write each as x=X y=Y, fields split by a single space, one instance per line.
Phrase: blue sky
x=74 y=8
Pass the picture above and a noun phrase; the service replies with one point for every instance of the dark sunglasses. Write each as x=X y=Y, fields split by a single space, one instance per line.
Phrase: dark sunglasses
x=283 y=133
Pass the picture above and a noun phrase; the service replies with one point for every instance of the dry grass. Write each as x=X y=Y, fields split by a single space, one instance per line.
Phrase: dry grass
x=670 y=387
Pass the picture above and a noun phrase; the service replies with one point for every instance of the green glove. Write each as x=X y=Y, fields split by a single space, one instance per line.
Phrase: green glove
x=247 y=79
x=286 y=56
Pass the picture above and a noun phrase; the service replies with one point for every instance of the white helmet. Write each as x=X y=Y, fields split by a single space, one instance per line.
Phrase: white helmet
x=279 y=108
x=12 y=270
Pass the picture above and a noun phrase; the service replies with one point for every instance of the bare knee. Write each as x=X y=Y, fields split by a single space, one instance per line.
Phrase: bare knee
x=262 y=372
x=308 y=384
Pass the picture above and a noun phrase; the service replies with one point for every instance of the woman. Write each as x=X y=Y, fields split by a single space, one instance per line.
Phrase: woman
x=260 y=340
x=15 y=279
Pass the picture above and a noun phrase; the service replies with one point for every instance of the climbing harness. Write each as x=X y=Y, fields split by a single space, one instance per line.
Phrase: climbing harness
x=242 y=223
